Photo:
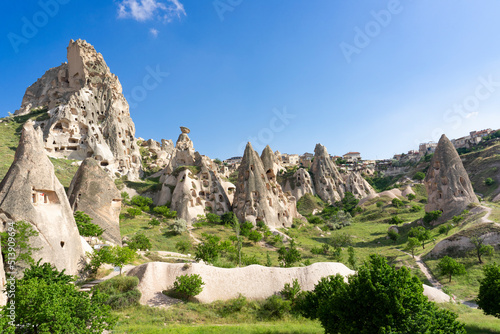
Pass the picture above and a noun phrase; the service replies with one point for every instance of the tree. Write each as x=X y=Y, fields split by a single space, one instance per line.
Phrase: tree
x=421 y=233
x=133 y=212
x=188 y=285
x=140 y=242
x=349 y=202
x=396 y=220
x=144 y=203
x=213 y=218
x=419 y=176
x=352 y=257
x=209 y=249
x=488 y=298
x=85 y=226
x=120 y=256
x=397 y=203
x=480 y=248
x=432 y=216
x=229 y=218
x=377 y=299
x=411 y=245
x=182 y=246
x=20 y=234
x=489 y=181
x=245 y=228
x=179 y=226
x=47 y=301
x=288 y=256
x=255 y=236
x=448 y=266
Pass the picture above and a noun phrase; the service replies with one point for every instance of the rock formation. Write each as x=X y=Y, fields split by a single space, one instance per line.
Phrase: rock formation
x=271 y=164
x=158 y=155
x=259 y=196
x=299 y=184
x=191 y=183
x=94 y=192
x=31 y=192
x=88 y=115
x=327 y=179
x=357 y=185
x=448 y=186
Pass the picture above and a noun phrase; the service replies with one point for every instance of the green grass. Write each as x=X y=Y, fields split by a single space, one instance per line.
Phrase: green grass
x=476 y=322
x=64 y=170
x=208 y=318
x=308 y=203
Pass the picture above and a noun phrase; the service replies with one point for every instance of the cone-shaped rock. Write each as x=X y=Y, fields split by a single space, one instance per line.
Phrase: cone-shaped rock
x=357 y=185
x=31 y=192
x=259 y=197
x=88 y=116
x=94 y=192
x=299 y=184
x=327 y=179
x=448 y=186
x=270 y=162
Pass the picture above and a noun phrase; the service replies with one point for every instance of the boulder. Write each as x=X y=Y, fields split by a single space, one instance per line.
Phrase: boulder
x=447 y=182
x=87 y=114
x=94 y=192
x=31 y=192
x=258 y=195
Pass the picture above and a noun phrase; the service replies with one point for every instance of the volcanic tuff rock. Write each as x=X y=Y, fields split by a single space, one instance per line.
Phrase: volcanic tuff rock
x=31 y=192
x=88 y=115
x=270 y=162
x=448 y=186
x=299 y=184
x=191 y=183
x=159 y=155
x=357 y=185
x=258 y=195
x=94 y=192
x=327 y=179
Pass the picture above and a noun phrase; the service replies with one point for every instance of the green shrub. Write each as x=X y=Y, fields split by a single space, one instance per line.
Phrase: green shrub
x=275 y=307
x=432 y=216
x=489 y=181
x=141 y=201
x=139 y=242
x=393 y=235
x=397 y=203
x=411 y=197
x=154 y=222
x=315 y=220
x=341 y=240
x=245 y=228
x=187 y=286
x=85 y=226
x=415 y=208
x=419 y=176
x=229 y=218
x=380 y=204
x=288 y=256
x=121 y=290
x=165 y=212
x=179 y=226
x=233 y=306
x=125 y=196
x=291 y=291
x=133 y=212
x=213 y=218
x=395 y=220
x=255 y=236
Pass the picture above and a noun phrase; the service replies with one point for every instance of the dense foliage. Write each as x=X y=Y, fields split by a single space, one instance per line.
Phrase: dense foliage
x=85 y=226
x=488 y=298
x=377 y=299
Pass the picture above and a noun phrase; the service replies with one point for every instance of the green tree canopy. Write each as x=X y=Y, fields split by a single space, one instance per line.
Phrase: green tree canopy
x=448 y=266
x=488 y=298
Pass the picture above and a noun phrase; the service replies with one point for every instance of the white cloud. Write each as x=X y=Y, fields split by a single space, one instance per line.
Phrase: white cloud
x=154 y=32
x=143 y=10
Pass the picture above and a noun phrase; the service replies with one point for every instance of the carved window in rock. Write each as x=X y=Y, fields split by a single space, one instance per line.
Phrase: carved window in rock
x=462 y=181
x=40 y=197
x=440 y=195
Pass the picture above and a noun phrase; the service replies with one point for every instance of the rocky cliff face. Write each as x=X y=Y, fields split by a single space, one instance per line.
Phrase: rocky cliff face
x=299 y=184
x=259 y=197
x=328 y=182
x=88 y=115
x=31 y=192
x=192 y=184
x=357 y=185
x=94 y=192
x=448 y=186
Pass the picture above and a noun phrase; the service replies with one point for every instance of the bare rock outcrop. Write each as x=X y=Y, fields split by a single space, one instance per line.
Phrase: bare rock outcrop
x=448 y=186
x=31 y=192
x=259 y=197
x=328 y=182
x=299 y=184
x=192 y=184
x=158 y=155
x=271 y=164
x=357 y=185
x=254 y=282
x=88 y=115
x=94 y=192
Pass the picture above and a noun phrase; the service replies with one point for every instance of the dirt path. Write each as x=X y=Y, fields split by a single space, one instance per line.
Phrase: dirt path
x=191 y=235
x=485 y=219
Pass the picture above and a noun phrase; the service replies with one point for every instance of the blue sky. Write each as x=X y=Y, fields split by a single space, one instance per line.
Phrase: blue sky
x=376 y=77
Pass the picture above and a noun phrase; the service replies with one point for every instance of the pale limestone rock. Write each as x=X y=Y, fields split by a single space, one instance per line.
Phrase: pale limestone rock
x=94 y=192
x=88 y=115
x=448 y=186
x=31 y=192
x=259 y=197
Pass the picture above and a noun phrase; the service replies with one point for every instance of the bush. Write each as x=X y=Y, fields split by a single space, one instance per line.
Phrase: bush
x=395 y=220
x=445 y=229
x=142 y=202
x=432 y=216
x=154 y=222
x=133 y=212
x=393 y=235
x=125 y=196
x=213 y=218
x=139 y=242
x=288 y=256
x=182 y=246
x=179 y=226
x=275 y=307
x=187 y=286
x=245 y=228
x=85 y=226
x=397 y=203
x=315 y=220
x=121 y=290
x=341 y=240
x=415 y=208
x=165 y=212
x=411 y=197
x=380 y=204
x=489 y=181
x=209 y=250
x=419 y=176
x=255 y=236
x=229 y=218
